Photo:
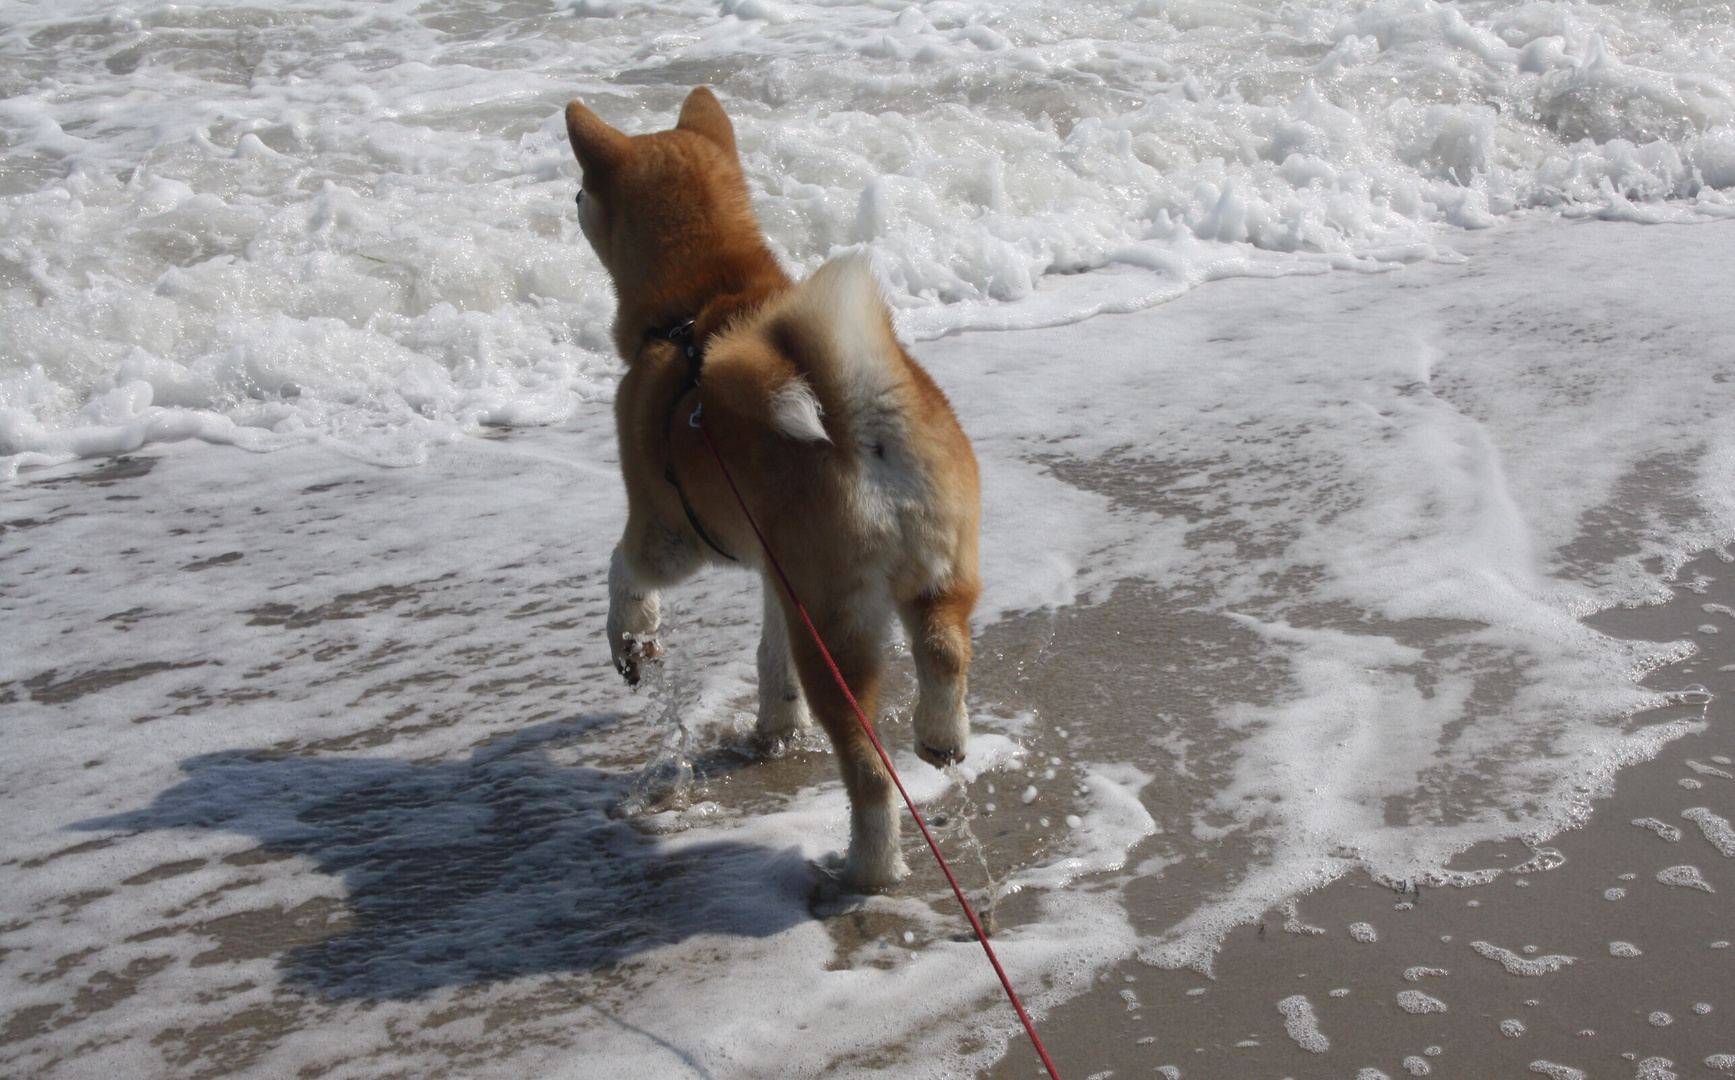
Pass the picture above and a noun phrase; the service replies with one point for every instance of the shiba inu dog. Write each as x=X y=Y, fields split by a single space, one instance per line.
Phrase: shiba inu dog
x=845 y=451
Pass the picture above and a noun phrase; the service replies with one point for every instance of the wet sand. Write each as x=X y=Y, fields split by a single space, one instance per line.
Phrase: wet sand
x=1604 y=1014
x=316 y=768
x=335 y=775
x=1354 y=948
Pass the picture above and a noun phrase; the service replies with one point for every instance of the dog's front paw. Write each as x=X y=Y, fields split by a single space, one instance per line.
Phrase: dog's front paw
x=942 y=735
x=633 y=615
x=632 y=652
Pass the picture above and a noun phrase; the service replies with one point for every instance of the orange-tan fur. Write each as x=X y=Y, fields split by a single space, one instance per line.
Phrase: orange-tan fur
x=846 y=452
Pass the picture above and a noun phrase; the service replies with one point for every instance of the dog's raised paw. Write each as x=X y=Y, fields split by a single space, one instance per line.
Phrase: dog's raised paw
x=939 y=757
x=636 y=651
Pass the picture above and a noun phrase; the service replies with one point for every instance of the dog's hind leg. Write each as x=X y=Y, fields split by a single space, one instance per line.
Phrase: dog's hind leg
x=874 y=861
x=782 y=710
x=938 y=626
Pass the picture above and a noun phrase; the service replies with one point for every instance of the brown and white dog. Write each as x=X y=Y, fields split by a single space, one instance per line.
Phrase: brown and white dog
x=845 y=451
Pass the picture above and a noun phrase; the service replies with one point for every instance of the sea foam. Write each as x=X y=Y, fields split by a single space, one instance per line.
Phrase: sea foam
x=359 y=226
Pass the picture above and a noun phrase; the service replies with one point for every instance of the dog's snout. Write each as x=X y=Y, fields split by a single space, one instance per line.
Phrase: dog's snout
x=578 y=200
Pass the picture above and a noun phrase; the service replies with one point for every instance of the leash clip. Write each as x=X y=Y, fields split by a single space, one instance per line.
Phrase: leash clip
x=698 y=416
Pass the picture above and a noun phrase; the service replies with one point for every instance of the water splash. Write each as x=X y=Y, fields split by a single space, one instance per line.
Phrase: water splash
x=666 y=780
x=960 y=825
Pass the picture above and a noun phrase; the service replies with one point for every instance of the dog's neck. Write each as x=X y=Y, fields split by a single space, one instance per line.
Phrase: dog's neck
x=710 y=297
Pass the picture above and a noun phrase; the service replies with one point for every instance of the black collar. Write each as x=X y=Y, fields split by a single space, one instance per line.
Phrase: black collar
x=681 y=334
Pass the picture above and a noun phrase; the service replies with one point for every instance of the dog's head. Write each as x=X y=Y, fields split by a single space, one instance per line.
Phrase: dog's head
x=650 y=203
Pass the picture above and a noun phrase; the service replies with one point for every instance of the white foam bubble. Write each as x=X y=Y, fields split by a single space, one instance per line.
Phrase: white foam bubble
x=1716 y=829
x=1292 y=923
x=1519 y=965
x=1545 y=859
x=1558 y=1072
x=1624 y=949
x=1363 y=932
x=1416 y=1002
x=1102 y=837
x=1301 y=1024
x=1685 y=877
x=1661 y=828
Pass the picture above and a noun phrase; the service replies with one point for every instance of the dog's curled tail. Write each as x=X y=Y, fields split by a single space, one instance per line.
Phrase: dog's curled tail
x=836 y=331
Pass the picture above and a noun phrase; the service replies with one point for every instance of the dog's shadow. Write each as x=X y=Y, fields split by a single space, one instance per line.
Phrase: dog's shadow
x=502 y=865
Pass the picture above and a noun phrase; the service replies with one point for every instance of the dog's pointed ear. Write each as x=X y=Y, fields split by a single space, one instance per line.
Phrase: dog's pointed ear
x=596 y=145
x=702 y=115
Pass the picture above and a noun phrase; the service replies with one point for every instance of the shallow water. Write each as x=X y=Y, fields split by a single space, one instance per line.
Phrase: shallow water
x=1577 y=941
x=303 y=746
x=316 y=765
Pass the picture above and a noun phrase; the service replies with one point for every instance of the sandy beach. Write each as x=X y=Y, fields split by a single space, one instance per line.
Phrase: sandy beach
x=318 y=768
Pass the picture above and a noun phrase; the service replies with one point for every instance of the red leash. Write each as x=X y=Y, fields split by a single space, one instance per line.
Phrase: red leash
x=969 y=912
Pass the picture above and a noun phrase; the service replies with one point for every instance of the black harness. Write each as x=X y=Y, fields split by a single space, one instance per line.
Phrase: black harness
x=681 y=334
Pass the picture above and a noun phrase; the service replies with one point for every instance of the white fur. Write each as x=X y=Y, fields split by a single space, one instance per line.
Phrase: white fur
x=795 y=411
x=941 y=722
x=874 y=861
x=783 y=712
x=843 y=301
x=633 y=610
